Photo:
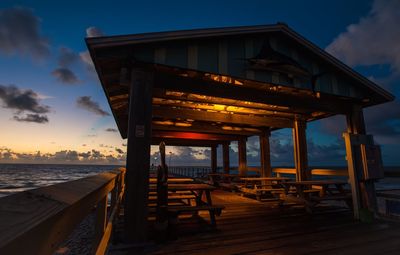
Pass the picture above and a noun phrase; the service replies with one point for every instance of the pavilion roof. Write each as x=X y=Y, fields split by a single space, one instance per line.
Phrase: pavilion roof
x=230 y=81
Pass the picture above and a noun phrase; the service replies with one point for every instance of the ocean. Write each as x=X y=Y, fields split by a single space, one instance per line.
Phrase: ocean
x=19 y=177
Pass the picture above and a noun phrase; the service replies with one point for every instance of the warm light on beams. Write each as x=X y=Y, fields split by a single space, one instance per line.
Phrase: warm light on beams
x=223 y=78
x=171 y=123
x=223 y=101
x=223 y=108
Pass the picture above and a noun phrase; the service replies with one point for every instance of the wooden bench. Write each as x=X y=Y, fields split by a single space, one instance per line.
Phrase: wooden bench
x=258 y=192
x=175 y=211
x=175 y=198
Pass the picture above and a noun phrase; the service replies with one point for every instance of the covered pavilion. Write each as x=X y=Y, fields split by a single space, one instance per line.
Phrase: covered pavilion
x=209 y=87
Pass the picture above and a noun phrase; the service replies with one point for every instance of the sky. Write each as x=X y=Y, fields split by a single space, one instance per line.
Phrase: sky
x=53 y=109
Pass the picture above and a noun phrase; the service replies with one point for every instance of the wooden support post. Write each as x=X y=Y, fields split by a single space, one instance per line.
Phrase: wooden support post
x=138 y=157
x=363 y=192
x=214 y=158
x=242 y=156
x=265 y=156
x=300 y=150
x=225 y=157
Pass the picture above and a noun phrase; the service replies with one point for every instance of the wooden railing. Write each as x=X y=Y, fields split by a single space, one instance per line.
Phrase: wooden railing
x=194 y=171
x=315 y=171
x=280 y=171
x=37 y=221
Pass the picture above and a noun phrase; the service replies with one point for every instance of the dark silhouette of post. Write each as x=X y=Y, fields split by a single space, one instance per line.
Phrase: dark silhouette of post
x=242 y=156
x=265 y=157
x=300 y=150
x=214 y=158
x=138 y=156
x=225 y=157
x=161 y=225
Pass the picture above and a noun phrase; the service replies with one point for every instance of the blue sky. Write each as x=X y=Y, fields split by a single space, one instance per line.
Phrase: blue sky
x=34 y=57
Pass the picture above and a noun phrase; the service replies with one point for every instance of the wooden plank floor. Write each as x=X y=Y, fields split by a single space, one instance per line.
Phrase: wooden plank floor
x=247 y=226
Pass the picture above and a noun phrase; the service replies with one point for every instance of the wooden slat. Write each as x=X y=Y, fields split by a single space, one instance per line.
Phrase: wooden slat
x=220 y=89
x=205 y=127
x=330 y=172
x=194 y=136
x=247 y=226
x=184 y=114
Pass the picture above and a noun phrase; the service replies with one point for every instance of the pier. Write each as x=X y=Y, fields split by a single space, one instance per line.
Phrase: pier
x=42 y=219
x=210 y=88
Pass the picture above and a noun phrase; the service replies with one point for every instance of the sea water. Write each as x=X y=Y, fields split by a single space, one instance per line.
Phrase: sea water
x=19 y=177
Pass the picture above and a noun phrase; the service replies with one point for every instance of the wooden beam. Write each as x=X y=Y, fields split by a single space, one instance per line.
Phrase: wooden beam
x=242 y=155
x=204 y=127
x=183 y=114
x=226 y=90
x=194 y=136
x=225 y=157
x=284 y=111
x=265 y=157
x=214 y=159
x=138 y=157
x=181 y=142
x=300 y=150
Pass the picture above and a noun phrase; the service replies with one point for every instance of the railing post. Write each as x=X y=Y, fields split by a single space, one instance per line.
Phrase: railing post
x=115 y=191
x=101 y=220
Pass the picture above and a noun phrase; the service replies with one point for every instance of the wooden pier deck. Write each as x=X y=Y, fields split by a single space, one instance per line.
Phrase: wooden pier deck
x=247 y=226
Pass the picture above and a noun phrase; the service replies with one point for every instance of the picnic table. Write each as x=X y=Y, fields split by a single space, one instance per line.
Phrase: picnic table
x=172 y=180
x=259 y=186
x=198 y=190
x=312 y=192
x=230 y=182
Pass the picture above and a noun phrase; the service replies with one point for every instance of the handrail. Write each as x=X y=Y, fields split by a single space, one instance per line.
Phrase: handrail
x=42 y=218
x=280 y=171
x=315 y=171
x=332 y=172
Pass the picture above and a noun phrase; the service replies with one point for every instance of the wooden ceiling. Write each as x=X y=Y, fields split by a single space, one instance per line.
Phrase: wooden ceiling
x=188 y=101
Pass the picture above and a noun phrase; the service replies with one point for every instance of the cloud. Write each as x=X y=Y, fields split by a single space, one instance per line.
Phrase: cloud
x=22 y=101
x=63 y=156
x=65 y=75
x=87 y=61
x=373 y=40
x=32 y=118
x=93 y=32
x=66 y=155
x=86 y=103
x=85 y=56
x=119 y=150
x=20 y=33
x=383 y=121
x=67 y=57
x=111 y=130
x=105 y=146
